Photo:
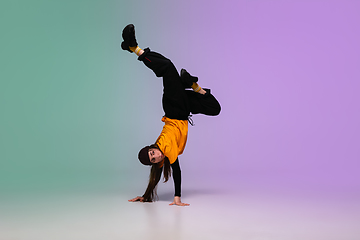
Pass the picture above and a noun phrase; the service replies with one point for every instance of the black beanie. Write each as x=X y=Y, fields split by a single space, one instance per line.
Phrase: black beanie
x=144 y=156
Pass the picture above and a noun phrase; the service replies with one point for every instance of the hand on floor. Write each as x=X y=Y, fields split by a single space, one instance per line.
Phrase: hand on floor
x=141 y=199
x=177 y=201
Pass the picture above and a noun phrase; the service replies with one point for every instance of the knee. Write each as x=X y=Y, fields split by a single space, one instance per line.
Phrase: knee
x=215 y=107
x=216 y=110
x=168 y=65
x=165 y=67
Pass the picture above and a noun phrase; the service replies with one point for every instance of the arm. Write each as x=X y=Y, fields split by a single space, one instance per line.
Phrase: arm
x=177 y=184
x=176 y=172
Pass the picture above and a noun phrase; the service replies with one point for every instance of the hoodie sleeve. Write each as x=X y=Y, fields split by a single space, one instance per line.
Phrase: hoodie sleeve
x=176 y=171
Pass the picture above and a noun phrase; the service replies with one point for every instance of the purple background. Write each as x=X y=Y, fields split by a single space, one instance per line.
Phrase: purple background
x=286 y=74
x=281 y=161
x=77 y=109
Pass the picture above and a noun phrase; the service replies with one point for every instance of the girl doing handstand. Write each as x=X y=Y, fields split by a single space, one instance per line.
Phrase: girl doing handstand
x=177 y=103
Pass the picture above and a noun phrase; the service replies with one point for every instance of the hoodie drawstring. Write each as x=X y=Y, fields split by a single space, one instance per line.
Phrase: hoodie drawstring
x=190 y=120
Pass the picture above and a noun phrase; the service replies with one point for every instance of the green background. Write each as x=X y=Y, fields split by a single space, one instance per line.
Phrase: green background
x=75 y=109
x=67 y=104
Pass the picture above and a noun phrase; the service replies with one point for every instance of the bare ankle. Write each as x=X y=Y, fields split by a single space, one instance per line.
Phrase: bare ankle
x=202 y=91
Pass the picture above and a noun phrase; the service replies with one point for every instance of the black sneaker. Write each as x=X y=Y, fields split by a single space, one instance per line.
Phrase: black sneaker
x=187 y=79
x=128 y=35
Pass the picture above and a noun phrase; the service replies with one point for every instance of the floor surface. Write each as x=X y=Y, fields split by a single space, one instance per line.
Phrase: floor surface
x=211 y=215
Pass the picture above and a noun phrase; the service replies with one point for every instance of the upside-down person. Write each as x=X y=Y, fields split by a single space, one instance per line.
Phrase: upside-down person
x=178 y=103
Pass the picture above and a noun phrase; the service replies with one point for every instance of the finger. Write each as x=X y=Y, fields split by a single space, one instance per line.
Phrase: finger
x=134 y=199
x=184 y=204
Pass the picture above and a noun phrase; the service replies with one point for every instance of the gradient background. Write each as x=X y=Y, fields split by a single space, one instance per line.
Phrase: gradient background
x=75 y=109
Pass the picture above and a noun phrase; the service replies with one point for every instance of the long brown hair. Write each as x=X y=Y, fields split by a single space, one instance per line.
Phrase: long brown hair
x=150 y=194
